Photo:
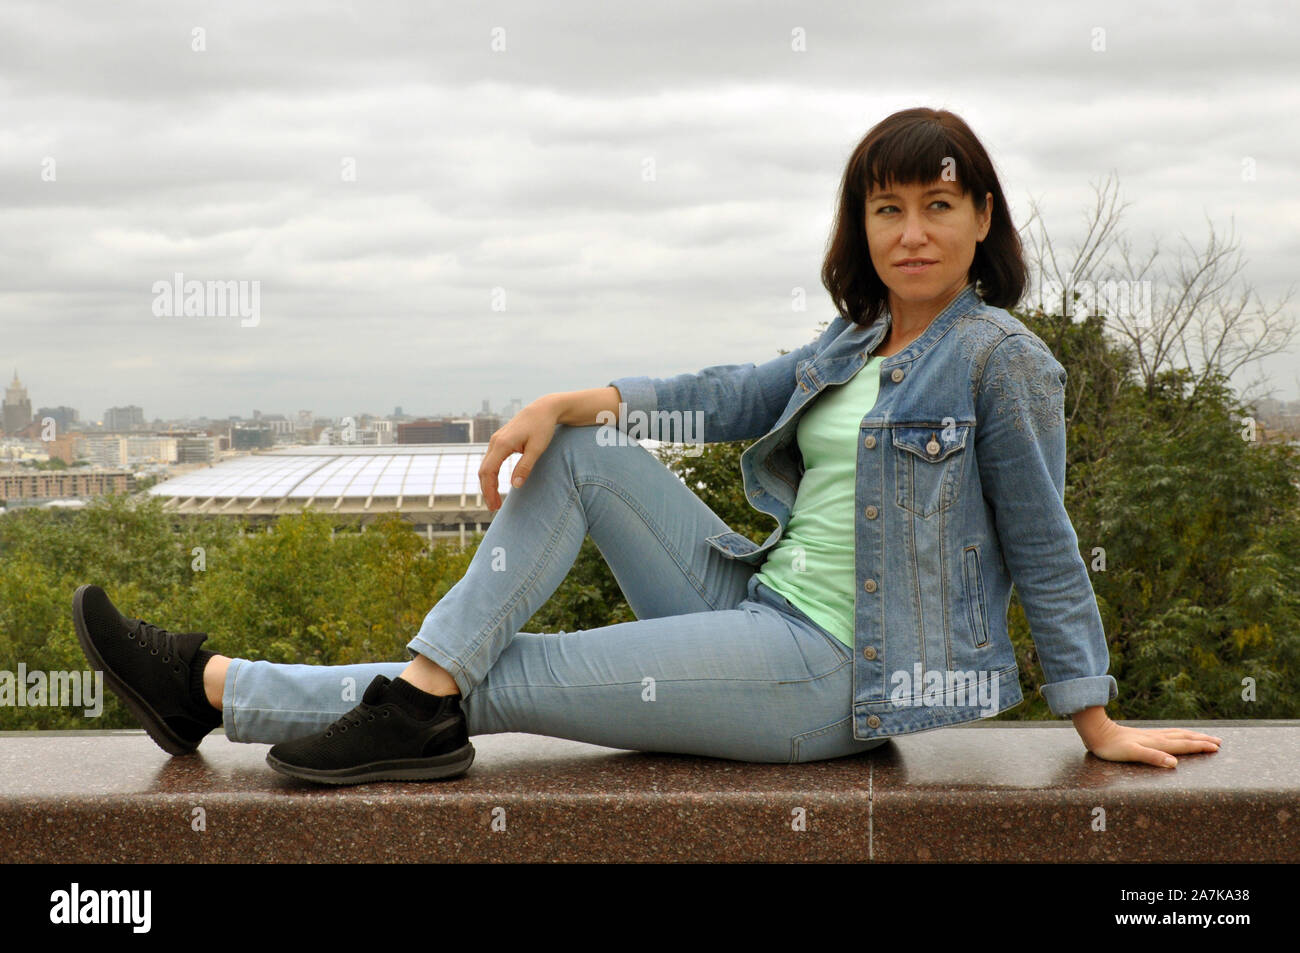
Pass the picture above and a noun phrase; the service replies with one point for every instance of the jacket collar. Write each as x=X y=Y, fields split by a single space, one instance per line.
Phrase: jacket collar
x=851 y=348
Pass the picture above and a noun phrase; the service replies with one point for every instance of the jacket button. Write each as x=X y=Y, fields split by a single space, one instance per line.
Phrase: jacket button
x=932 y=447
x=873 y=722
x=871 y=512
x=869 y=585
x=897 y=375
x=869 y=441
x=869 y=652
x=803 y=387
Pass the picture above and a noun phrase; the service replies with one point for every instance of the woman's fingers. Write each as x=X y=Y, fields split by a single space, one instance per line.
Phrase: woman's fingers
x=1160 y=751
x=1161 y=759
x=487 y=474
x=1186 y=734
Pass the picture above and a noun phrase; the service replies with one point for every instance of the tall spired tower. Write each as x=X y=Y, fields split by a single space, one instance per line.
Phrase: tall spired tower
x=17 y=407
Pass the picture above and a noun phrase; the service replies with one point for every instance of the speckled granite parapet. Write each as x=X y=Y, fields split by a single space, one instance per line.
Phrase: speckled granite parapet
x=1005 y=791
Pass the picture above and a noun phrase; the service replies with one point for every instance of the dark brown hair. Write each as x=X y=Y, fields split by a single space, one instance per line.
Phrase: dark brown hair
x=909 y=148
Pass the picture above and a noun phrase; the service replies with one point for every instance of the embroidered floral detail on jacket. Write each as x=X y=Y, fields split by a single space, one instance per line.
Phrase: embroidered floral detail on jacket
x=976 y=337
x=1028 y=383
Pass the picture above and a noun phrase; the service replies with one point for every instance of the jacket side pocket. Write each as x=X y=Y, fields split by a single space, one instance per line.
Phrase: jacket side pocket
x=975 y=602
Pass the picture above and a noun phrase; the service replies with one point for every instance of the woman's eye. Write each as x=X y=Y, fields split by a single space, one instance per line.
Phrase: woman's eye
x=894 y=208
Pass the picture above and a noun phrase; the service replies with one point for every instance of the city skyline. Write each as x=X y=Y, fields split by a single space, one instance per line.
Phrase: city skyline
x=485 y=408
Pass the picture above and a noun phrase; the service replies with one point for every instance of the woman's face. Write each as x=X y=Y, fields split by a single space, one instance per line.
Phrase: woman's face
x=934 y=222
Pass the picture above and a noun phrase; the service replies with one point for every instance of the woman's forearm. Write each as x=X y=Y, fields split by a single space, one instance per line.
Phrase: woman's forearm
x=578 y=408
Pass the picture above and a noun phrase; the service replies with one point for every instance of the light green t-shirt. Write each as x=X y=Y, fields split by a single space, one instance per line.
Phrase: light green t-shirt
x=812 y=564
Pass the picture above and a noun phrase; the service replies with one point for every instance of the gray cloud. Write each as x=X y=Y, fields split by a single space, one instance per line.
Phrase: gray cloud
x=522 y=170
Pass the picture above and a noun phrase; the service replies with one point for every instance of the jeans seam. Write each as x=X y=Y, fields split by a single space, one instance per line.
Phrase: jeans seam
x=797 y=741
x=844 y=650
x=662 y=681
x=683 y=565
x=815 y=678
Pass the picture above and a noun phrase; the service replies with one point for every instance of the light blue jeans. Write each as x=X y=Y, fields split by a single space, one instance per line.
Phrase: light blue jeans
x=717 y=664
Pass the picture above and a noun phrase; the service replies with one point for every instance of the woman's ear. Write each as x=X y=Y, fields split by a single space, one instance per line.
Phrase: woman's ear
x=986 y=219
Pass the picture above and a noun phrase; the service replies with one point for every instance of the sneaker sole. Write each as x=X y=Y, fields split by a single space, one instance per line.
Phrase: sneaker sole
x=149 y=719
x=411 y=769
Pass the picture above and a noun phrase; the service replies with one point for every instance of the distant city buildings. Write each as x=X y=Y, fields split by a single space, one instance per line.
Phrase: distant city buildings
x=124 y=418
x=53 y=457
x=65 y=418
x=476 y=429
x=17 y=408
x=257 y=436
x=1276 y=416
x=62 y=484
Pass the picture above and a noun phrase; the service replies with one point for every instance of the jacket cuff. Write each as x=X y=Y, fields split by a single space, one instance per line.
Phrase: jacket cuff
x=1076 y=694
x=638 y=393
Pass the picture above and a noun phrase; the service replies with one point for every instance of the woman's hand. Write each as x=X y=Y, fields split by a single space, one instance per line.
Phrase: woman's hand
x=1112 y=742
x=527 y=432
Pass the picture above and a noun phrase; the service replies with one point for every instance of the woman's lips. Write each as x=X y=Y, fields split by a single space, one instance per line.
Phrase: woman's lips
x=915 y=268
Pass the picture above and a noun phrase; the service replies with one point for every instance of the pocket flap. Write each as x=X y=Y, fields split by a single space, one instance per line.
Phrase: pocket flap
x=931 y=442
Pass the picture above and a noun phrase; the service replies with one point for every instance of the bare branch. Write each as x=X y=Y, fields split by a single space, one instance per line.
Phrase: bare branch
x=1203 y=315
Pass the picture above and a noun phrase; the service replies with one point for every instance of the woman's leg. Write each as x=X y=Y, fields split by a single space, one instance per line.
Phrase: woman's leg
x=708 y=670
x=647 y=524
x=272 y=702
x=753 y=683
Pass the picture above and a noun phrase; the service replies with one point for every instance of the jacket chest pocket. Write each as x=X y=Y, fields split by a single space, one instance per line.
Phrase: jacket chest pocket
x=927 y=465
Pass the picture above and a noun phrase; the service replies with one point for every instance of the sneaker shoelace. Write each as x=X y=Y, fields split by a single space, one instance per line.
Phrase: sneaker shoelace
x=156 y=639
x=355 y=717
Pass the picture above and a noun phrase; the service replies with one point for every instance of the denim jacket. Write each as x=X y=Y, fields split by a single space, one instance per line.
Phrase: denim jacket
x=960 y=492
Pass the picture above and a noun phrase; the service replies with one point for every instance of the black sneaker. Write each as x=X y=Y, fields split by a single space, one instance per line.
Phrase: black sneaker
x=150 y=669
x=385 y=738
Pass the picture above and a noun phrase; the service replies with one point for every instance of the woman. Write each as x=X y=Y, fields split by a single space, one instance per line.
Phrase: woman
x=908 y=498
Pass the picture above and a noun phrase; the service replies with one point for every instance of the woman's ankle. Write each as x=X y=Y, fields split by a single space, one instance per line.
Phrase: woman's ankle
x=428 y=676
x=214 y=680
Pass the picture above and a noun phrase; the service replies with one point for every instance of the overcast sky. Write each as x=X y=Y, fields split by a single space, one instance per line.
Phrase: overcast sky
x=486 y=176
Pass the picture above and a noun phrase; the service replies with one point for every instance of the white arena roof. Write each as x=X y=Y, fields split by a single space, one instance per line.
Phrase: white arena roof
x=436 y=481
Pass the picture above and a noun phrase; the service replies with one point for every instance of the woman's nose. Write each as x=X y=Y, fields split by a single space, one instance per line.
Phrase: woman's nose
x=913 y=230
